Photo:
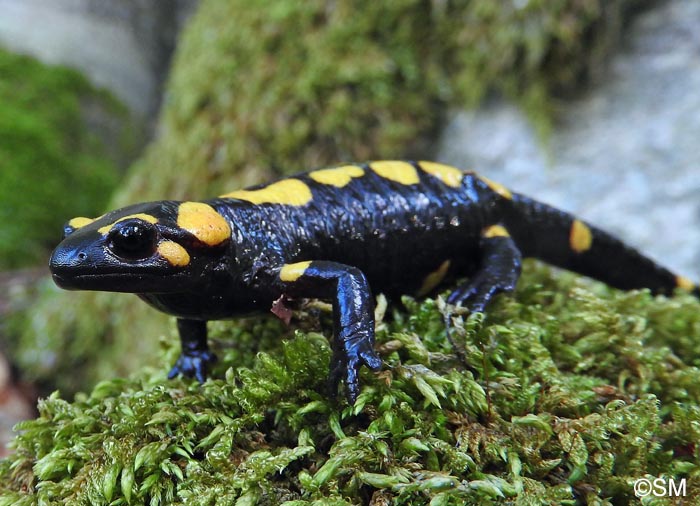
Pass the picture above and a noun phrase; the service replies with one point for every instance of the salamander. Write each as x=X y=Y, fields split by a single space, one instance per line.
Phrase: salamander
x=339 y=234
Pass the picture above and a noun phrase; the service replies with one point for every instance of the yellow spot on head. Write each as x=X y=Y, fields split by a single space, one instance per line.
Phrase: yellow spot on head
x=495 y=231
x=498 y=188
x=338 y=177
x=291 y=272
x=448 y=175
x=433 y=279
x=140 y=216
x=401 y=172
x=175 y=254
x=80 y=222
x=203 y=222
x=684 y=283
x=580 y=237
x=291 y=192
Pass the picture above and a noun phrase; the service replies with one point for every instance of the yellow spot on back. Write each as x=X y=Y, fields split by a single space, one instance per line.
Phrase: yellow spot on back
x=497 y=187
x=401 y=172
x=203 y=222
x=338 y=177
x=291 y=272
x=684 y=283
x=175 y=254
x=432 y=280
x=580 y=237
x=495 y=231
x=80 y=222
x=448 y=175
x=140 y=216
x=291 y=192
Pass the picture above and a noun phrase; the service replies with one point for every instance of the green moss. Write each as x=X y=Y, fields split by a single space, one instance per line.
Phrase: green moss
x=99 y=337
x=46 y=147
x=262 y=88
x=571 y=392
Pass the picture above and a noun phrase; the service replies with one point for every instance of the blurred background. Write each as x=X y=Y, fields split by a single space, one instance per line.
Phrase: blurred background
x=590 y=105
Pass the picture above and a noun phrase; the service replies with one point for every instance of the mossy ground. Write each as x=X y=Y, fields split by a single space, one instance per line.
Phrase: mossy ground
x=571 y=392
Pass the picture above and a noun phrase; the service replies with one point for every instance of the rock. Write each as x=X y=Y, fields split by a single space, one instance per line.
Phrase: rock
x=625 y=156
x=123 y=45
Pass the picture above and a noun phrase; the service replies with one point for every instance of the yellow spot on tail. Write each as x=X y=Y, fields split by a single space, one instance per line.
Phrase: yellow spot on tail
x=338 y=177
x=448 y=175
x=432 y=280
x=497 y=187
x=140 y=216
x=684 y=283
x=175 y=254
x=291 y=192
x=80 y=222
x=292 y=272
x=401 y=172
x=495 y=231
x=203 y=222
x=580 y=237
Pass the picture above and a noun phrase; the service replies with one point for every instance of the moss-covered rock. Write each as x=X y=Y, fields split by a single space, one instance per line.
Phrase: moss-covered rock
x=52 y=164
x=571 y=391
x=264 y=88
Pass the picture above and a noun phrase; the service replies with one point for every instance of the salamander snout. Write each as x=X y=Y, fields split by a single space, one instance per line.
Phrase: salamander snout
x=66 y=262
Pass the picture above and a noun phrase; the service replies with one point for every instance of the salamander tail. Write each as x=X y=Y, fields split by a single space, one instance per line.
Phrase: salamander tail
x=561 y=239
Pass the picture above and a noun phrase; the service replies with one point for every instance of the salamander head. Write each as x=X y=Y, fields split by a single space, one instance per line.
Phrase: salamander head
x=155 y=247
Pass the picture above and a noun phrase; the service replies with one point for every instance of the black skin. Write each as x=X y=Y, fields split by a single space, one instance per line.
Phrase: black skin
x=372 y=235
x=195 y=355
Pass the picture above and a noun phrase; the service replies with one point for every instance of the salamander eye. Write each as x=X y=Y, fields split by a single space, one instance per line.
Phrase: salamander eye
x=132 y=239
x=67 y=230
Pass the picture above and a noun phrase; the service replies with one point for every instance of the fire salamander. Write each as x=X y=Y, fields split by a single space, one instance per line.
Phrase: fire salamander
x=336 y=234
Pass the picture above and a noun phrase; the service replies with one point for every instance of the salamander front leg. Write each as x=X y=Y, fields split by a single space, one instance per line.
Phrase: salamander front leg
x=195 y=356
x=353 y=315
x=499 y=271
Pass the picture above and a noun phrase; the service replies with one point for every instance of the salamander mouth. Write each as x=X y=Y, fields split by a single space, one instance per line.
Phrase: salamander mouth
x=115 y=282
x=106 y=282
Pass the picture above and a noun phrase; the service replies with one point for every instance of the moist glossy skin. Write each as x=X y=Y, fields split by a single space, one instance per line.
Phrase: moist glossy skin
x=339 y=234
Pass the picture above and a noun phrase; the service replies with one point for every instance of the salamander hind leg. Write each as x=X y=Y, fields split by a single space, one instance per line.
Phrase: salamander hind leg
x=353 y=315
x=195 y=355
x=499 y=270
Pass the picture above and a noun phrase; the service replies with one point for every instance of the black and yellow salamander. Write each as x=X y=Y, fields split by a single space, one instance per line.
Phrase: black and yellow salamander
x=336 y=234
